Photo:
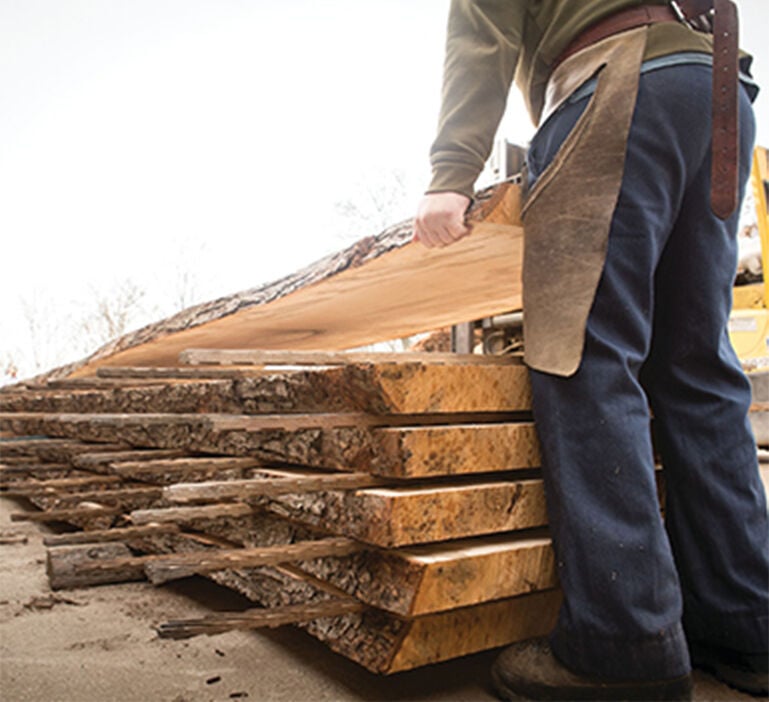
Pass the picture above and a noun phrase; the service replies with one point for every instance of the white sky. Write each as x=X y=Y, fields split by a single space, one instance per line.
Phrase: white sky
x=143 y=139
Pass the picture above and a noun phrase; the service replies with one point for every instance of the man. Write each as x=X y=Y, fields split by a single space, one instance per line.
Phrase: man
x=639 y=238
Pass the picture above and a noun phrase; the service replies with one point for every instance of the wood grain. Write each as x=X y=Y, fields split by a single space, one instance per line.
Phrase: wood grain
x=417 y=580
x=402 y=291
x=394 y=517
x=344 y=441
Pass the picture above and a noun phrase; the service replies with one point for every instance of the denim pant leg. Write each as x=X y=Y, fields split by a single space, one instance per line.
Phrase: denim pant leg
x=716 y=512
x=623 y=602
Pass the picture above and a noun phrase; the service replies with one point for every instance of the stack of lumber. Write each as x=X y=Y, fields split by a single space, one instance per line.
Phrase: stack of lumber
x=388 y=503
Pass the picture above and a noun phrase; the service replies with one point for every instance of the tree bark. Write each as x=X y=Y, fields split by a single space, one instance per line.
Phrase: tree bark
x=67 y=565
x=310 y=440
x=380 y=388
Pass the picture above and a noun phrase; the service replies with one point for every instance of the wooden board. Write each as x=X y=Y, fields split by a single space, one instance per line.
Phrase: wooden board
x=418 y=580
x=49 y=449
x=408 y=581
x=393 y=517
x=404 y=291
x=177 y=470
x=65 y=564
x=329 y=441
x=387 y=644
x=416 y=388
x=421 y=452
x=380 y=641
x=284 y=357
x=378 y=388
x=395 y=452
x=460 y=632
x=98 y=460
x=20 y=471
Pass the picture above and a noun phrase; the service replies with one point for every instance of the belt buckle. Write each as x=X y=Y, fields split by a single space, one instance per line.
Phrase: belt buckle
x=678 y=11
x=703 y=23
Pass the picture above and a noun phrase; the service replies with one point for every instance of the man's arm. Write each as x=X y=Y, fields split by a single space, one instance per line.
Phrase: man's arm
x=482 y=47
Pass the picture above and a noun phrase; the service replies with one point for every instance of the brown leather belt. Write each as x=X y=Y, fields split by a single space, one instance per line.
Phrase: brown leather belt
x=725 y=140
x=621 y=21
x=724 y=191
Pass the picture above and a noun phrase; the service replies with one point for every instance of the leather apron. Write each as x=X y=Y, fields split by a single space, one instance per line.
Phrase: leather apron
x=568 y=212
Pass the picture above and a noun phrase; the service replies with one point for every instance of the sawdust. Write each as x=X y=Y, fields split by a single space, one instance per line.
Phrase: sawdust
x=49 y=601
x=98 y=645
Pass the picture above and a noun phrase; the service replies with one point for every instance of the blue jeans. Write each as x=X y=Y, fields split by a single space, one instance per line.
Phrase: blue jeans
x=636 y=589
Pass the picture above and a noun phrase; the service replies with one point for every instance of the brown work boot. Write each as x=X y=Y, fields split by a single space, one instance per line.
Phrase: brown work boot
x=748 y=672
x=530 y=671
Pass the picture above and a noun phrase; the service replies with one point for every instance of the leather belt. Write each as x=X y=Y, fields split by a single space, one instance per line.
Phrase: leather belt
x=724 y=193
x=621 y=21
x=725 y=140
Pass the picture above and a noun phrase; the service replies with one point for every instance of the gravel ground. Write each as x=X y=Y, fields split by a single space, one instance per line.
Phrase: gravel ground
x=97 y=645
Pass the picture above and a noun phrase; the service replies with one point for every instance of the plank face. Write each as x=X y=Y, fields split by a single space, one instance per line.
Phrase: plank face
x=439 y=514
x=459 y=632
x=405 y=291
x=418 y=580
x=424 y=388
x=485 y=573
x=394 y=517
x=453 y=450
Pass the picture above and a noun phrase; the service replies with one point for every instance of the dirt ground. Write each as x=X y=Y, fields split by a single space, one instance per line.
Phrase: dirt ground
x=98 y=645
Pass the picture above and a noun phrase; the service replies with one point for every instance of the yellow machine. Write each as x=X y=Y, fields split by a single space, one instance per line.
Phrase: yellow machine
x=749 y=321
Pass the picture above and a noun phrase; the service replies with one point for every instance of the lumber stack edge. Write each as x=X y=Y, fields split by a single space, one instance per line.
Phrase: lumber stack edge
x=381 y=503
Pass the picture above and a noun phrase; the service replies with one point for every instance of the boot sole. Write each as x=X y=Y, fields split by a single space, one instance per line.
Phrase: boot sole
x=740 y=680
x=679 y=689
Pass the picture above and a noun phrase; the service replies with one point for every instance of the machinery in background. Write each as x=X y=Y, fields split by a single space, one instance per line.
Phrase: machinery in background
x=749 y=321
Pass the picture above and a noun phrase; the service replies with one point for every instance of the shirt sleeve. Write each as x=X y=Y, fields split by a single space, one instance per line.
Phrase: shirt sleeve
x=482 y=48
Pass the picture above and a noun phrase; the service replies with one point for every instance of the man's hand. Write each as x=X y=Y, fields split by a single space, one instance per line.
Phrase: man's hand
x=440 y=219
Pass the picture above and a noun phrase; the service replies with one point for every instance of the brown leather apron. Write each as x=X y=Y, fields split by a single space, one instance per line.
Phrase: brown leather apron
x=568 y=213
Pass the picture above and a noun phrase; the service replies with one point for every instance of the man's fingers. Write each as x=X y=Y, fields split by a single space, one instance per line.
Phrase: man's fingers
x=434 y=235
x=440 y=219
x=423 y=236
x=439 y=236
x=445 y=234
x=448 y=235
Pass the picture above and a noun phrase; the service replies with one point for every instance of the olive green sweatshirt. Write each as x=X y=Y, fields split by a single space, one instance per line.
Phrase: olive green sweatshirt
x=490 y=44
